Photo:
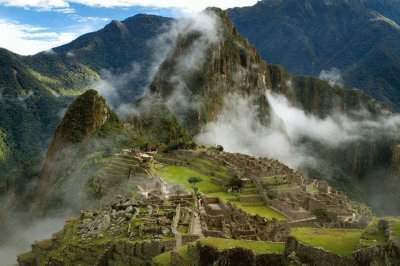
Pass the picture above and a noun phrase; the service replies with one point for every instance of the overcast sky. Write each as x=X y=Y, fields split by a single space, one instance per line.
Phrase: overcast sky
x=30 y=26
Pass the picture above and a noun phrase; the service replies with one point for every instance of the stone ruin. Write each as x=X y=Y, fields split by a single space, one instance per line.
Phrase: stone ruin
x=227 y=221
x=143 y=161
x=289 y=192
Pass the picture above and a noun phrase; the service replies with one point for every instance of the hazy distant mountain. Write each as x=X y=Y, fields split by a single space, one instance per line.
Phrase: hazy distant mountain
x=358 y=37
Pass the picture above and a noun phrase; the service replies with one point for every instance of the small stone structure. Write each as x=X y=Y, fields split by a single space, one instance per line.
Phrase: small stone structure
x=228 y=221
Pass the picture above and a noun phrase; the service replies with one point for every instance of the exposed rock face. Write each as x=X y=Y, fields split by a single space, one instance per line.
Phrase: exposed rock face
x=87 y=117
x=223 y=63
x=201 y=72
x=236 y=256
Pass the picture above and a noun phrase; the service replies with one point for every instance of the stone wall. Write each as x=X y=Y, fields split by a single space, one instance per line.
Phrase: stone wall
x=237 y=256
x=250 y=198
x=389 y=254
x=188 y=238
x=213 y=233
x=314 y=256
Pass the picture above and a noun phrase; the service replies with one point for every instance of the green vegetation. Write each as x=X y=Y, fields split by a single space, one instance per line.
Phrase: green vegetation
x=3 y=146
x=258 y=247
x=262 y=210
x=372 y=235
x=340 y=241
x=193 y=180
x=163 y=259
x=180 y=174
x=86 y=117
x=159 y=126
x=234 y=184
x=394 y=226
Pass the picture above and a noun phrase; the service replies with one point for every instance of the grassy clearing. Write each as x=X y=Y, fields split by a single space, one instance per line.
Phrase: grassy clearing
x=180 y=174
x=263 y=211
x=259 y=247
x=340 y=241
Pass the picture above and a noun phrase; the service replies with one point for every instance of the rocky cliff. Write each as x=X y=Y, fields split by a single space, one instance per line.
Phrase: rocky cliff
x=86 y=119
x=207 y=65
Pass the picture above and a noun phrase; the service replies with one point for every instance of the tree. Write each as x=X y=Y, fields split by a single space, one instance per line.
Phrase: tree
x=234 y=184
x=193 y=181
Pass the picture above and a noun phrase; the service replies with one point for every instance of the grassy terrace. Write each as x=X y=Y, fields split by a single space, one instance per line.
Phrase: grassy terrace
x=340 y=241
x=164 y=259
x=180 y=174
x=221 y=244
x=370 y=239
x=259 y=247
x=261 y=210
x=394 y=226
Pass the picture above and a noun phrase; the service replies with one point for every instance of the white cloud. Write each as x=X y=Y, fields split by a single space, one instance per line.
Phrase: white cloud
x=186 y=6
x=333 y=76
x=27 y=39
x=83 y=19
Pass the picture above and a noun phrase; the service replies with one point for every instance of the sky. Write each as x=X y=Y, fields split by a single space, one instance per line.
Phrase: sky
x=31 y=26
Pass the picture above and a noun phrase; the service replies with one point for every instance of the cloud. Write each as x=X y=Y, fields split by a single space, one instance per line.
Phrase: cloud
x=333 y=76
x=28 y=39
x=186 y=6
x=43 y=5
x=238 y=129
x=83 y=19
x=24 y=235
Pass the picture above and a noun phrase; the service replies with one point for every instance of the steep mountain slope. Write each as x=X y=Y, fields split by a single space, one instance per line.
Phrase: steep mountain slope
x=128 y=46
x=29 y=109
x=200 y=73
x=357 y=37
x=35 y=90
x=87 y=118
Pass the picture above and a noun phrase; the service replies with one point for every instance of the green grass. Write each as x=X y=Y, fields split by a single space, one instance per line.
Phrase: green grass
x=263 y=211
x=340 y=241
x=163 y=260
x=372 y=239
x=180 y=175
x=394 y=226
x=259 y=247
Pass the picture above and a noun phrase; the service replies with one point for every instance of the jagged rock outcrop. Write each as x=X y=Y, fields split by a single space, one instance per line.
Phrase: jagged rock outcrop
x=34 y=90
x=88 y=117
x=209 y=64
x=206 y=65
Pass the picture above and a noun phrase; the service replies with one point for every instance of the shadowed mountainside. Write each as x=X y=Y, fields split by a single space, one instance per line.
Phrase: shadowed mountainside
x=306 y=37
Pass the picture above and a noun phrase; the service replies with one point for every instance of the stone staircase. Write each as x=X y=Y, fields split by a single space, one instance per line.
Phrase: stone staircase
x=249 y=194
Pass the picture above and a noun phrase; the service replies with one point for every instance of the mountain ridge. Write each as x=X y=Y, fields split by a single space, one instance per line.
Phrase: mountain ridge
x=348 y=35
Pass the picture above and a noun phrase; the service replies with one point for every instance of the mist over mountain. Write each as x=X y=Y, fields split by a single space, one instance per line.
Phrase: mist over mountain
x=183 y=87
x=35 y=91
x=355 y=38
